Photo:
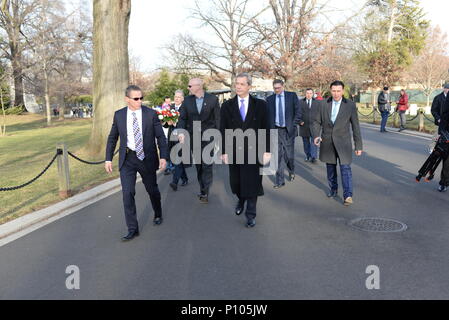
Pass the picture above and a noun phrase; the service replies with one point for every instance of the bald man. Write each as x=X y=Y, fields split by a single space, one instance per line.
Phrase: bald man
x=204 y=108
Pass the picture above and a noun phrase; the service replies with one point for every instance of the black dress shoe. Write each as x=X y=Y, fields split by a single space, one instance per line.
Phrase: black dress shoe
x=130 y=235
x=184 y=183
x=291 y=177
x=174 y=186
x=157 y=221
x=239 y=208
x=251 y=223
x=277 y=186
x=332 y=194
x=313 y=160
x=204 y=199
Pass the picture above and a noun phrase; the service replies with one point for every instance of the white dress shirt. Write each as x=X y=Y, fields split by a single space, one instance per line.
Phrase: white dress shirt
x=246 y=102
x=129 y=127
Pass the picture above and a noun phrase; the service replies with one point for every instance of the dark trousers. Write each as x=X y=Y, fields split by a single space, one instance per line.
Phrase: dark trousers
x=205 y=177
x=251 y=207
x=346 y=178
x=286 y=155
x=310 y=149
x=179 y=173
x=445 y=173
x=128 y=176
x=384 y=120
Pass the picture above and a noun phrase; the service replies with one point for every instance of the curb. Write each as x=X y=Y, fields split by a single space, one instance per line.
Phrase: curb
x=23 y=225
x=395 y=130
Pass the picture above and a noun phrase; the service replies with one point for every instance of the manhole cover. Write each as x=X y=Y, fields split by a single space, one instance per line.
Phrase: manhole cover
x=378 y=225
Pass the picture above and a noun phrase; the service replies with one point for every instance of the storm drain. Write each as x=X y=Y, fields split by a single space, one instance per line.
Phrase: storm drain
x=378 y=225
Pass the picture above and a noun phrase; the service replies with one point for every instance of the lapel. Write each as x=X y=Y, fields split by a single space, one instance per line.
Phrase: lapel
x=145 y=116
x=204 y=106
x=329 y=110
x=251 y=110
x=286 y=109
x=236 y=110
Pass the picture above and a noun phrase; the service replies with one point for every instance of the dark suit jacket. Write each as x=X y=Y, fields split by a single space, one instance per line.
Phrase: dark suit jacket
x=306 y=116
x=337 y=137
x=291 y=110
x=245 y=178
x=209 y=116
x=151 y=131
x=438 y=106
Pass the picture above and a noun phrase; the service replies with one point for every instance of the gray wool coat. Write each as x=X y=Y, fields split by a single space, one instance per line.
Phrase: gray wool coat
x=336 y=138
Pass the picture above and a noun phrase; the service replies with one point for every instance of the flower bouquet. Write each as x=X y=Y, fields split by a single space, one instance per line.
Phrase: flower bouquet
x=167 y=115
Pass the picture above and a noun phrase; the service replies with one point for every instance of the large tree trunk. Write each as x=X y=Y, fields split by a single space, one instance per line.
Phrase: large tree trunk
x=47 y=97
x=17 y=74
x=111 y=66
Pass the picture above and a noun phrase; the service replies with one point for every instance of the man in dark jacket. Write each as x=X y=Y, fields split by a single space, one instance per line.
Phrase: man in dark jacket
x=283 y=108
x=250 y=115
x=331 y=128
x=307 y=107
x=443 y=117
x=200 y=108
x=438 y=104
x=138 y=128
x=384 y=102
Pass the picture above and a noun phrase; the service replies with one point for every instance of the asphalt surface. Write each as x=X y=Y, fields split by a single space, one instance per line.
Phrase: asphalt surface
x=301 y=248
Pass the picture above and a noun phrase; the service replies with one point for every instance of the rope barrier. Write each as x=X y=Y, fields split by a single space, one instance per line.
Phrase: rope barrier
x=85 y=161
x=58 y=152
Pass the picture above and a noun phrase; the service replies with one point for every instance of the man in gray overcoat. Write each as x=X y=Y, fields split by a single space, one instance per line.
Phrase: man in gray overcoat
x=331 y=130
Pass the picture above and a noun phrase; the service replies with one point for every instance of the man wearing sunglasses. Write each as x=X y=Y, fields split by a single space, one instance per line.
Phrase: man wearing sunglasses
x=138 y=128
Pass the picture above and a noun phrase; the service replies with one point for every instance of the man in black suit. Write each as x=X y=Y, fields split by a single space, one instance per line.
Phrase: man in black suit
x=251 y=116
x=138 y=128
x=199 y=109
x=307 y=107
x=283 y=108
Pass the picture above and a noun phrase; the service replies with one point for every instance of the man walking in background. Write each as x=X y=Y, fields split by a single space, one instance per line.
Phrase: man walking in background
x=283 y=109
x=384 y=102
x=307 y=107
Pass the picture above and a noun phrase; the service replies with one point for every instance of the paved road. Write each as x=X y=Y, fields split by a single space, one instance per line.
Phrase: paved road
x=301 y=248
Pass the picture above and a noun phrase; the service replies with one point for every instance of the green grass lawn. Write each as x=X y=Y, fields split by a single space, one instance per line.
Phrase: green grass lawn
x=366 y=116
x=28 y=147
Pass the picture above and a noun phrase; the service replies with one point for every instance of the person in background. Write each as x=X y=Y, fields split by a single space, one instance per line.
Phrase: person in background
x=179 y=171
x=307 y=107
x=384 y=102
x=402 y=108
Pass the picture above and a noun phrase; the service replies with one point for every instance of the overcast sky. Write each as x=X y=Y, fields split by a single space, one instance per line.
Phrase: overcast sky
x=154 y=23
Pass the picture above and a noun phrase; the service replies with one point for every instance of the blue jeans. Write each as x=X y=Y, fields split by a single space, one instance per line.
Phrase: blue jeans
x=310 y=149
x=180 y=172
x=346 y=178
x=383 y=123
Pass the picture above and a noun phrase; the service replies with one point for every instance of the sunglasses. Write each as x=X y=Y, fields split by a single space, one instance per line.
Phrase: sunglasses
x=137 y=99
